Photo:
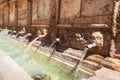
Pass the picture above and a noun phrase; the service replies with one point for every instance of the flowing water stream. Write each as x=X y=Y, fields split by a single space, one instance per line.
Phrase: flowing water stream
x=33 y=63
x=79 y=63
x=30 y=44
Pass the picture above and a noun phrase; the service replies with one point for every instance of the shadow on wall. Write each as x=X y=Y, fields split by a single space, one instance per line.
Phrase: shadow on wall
x=79 y=38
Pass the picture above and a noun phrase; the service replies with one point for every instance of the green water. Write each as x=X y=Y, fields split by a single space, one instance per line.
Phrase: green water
x=33 y=63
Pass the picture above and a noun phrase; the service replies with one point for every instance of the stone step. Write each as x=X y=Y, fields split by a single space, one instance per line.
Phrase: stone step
x=92 y=62
x=87 y=65
x=92 y=65
x=113 y=60
x=73 y=52
x=111 y=64
x=105 y=74
x=95 y=58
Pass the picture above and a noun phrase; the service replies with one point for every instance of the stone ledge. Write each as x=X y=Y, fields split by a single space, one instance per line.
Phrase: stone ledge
x=9 y=70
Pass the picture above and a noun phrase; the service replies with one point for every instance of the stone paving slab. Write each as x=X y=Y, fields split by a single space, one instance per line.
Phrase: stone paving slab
x=106 y=74
x=9 y=70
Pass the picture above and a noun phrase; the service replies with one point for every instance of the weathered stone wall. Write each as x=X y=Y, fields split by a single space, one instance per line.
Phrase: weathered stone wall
x=41 y=11
x=34 y=12
x=118 y=44
x=52 y=13
x=1 y=18
x=118 y=34
x=86 y=11
x=68 y=38
x=5 y=16
x=22 y=12
x=12 y=13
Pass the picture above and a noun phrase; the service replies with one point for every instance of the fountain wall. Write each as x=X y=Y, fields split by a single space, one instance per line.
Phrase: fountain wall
x=62 y=18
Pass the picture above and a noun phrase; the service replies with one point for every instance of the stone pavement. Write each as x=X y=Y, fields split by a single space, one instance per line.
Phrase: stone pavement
x=9 y=70
x=106 y=74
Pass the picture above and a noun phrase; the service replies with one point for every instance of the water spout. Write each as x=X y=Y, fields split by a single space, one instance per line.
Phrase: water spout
x=97 y=42
x=91 y=45
x=55 y=41
x=32 y=42
x=14 y=33
x=27 y=35
x=79 y=63
x=21 y=33
x=25 y=38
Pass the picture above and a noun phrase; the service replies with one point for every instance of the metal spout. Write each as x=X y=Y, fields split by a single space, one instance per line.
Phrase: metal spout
x=79 y=63
x=89 y=46
x=41 y=36
x=54 y=42
x=57 y=39
x=27 y=35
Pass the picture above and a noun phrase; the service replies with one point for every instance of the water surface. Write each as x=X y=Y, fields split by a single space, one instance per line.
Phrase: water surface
x=33 y=63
